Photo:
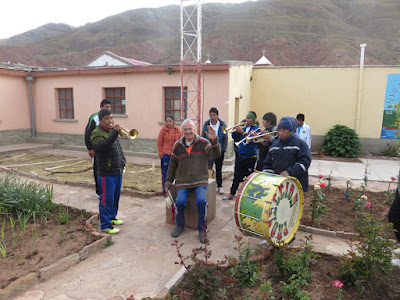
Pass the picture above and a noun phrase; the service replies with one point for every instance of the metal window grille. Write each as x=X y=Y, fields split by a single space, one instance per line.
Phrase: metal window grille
x=117 y=98
x=66 y=103
x=173 y=102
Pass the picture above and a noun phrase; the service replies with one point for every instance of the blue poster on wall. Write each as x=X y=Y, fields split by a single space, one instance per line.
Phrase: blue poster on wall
x=392 y=97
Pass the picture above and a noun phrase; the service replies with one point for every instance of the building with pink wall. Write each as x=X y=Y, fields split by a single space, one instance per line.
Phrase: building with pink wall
x=63 y=101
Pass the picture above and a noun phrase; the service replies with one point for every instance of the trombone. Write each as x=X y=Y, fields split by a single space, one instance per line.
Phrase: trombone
x=130 y=134
x=256 y=139
x=226 y=130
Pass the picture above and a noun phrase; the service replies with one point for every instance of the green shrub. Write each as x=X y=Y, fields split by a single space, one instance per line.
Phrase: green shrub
x=390 y=150
x=370 y=257
x=25 y=198
x=341 y=141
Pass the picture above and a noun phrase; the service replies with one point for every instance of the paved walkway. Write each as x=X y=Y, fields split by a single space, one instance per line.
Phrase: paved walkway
x=142 y=259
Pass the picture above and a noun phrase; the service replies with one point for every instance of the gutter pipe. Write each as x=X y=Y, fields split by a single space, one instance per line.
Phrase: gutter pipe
x=30 y=78
x=360 y=87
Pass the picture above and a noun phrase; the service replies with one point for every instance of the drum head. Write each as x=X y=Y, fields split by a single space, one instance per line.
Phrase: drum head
x=270 y=207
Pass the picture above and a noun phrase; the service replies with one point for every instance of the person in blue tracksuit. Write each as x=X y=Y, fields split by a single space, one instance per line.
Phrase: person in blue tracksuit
x=110 y=167
x=246 y=153
x=218 y=124
x=289 y=155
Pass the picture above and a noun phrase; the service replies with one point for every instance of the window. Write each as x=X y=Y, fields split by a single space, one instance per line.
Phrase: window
x=66 y=103
x=117 y=98
x=173 y=102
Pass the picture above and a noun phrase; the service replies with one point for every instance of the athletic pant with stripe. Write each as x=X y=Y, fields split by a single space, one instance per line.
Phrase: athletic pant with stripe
x=110 y=191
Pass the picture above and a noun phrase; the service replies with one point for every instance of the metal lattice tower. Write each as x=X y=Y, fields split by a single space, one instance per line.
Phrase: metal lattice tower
x=191 y=67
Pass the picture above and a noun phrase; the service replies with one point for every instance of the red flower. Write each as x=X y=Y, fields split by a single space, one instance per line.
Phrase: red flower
x=368 y=205
x=322 y=184
x=337 y=284
x=321 y=176
x=393 y=178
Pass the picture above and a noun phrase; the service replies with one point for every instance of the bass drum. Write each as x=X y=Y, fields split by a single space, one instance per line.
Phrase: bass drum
x=270 y=207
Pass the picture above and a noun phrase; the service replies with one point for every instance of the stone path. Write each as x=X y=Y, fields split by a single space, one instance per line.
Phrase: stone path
x=142 y=259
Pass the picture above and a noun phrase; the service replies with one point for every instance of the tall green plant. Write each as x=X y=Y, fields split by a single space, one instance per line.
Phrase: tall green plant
x=371 y=250
x=341 y=141
x=25 y=198
x=317 y=204
x=243 y=268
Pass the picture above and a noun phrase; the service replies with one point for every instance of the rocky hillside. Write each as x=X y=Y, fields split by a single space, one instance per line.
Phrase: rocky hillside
x=301 y=32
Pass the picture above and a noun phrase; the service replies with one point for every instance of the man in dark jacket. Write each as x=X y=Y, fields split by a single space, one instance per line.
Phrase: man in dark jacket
x=189 y=167
x=91 y=125
x=247 y=153
x=110 y=167
x=269 y=122
x=394 y=213
x=217 y=124
x=289 y=155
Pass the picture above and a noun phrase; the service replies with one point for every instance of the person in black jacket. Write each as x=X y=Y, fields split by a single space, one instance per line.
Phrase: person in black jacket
x=289 y=155
x=110 y=167
x=394 y=213
x=218 y=125
x=269 y=123
x=91 y=125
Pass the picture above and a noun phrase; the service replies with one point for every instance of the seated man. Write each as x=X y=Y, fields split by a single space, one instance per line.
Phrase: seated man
x=189 y=167
x=289 y=155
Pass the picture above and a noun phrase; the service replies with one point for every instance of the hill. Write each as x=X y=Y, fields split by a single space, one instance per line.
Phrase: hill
x=301 y=32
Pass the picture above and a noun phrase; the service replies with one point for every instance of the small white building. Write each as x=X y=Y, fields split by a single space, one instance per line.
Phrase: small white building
x=263 y=61
x=109 y=59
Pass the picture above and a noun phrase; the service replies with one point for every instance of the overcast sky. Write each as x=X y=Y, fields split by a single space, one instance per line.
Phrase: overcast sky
x=18 y=16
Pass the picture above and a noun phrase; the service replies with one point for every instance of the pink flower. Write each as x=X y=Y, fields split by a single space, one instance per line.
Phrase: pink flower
x=322 y=185
x=321 y=176
x=368 y=205
x=363 y=197
x=393 y=178
x=337 y=284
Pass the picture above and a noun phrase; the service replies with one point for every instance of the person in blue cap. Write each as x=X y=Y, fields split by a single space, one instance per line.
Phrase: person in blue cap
x=247 y=153
x=289 y=155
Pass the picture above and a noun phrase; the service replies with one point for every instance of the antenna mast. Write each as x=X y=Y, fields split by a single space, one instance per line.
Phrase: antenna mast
x=191 y=66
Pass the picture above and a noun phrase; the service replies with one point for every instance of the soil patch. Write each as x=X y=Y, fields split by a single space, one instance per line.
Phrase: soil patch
x=340 y=213
x=41 y=244
x=324 y=273
x=142 y=179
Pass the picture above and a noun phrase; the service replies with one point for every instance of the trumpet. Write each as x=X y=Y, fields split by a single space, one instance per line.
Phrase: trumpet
x=256 y=139
x=226 y=130
x=130 y=134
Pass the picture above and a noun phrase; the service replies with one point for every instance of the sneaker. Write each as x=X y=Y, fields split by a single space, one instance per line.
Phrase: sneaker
x=228 y=197
x=110 y=230
x=221 y=190
x=177 y=231
x=290 y=244
x=117 y=222
x=203 y=238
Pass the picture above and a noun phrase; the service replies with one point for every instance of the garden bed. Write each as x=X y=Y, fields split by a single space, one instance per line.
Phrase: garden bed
x=340 y=213
x=324 y=273
x=42 y=243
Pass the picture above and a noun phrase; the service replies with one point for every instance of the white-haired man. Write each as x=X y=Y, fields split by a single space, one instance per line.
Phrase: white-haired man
x=189 y=167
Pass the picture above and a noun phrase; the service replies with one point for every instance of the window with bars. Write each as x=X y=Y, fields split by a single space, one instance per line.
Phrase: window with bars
x=66 y=103
x=173 y=102
x=117 y=98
